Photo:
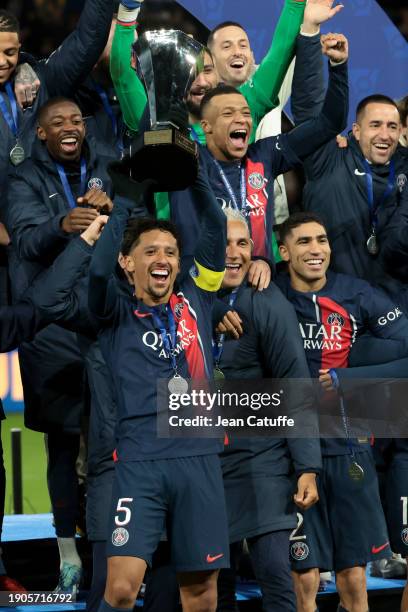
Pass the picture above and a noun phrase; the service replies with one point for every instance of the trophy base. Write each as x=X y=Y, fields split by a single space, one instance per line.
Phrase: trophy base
x=167 y=156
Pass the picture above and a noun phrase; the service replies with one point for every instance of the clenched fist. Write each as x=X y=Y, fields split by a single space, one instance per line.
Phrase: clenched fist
x=97 y=199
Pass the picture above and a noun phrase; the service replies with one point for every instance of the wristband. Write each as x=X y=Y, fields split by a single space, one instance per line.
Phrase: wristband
x=307 y=34
x=127 y=16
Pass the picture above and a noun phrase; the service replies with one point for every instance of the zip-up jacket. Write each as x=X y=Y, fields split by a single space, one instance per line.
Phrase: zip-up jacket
x=336 y=187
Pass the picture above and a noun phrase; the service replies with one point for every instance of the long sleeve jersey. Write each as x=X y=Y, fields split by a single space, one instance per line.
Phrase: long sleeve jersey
x=132 y=346
x=331 y=320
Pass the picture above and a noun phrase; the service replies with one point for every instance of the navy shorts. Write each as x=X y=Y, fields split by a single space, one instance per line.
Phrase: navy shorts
x=185 y=497
x=396 y=505
x=347 y=527
x=256 y=506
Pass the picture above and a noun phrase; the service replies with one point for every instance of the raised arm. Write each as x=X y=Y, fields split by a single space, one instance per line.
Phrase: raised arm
x=102 y=286
x=262 y=90
x=55 y=293
x=75 y=58
x=332 y=119
x=209 y=256
x=130 y=90
x=309 y=86
x=101 y=290
x=284 y=151
x=308 y=97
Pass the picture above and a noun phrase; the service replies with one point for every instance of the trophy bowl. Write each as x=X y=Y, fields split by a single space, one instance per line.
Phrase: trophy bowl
x=167 y=61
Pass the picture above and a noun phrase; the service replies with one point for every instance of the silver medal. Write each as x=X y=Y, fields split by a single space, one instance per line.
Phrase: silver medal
x=372 y=244
x=17 y=154
x=178 y=385
x=356 y=472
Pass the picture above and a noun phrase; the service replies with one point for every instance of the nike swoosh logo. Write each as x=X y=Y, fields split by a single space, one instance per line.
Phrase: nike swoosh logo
x=358 y=173
x=378 y=549
x=211 y=559
x=52 y=195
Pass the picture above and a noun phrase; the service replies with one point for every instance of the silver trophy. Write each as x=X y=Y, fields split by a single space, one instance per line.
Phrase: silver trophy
x=168 y=62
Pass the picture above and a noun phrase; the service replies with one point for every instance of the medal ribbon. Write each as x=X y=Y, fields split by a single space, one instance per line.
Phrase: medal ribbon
x=10 y=119
x=370 y=192
x=258 y=222
x=169 y=343
x=218 y=346
x=67 y=187
x=344 y=417
x=109 y=111
x=228 y=187
x=346 y=425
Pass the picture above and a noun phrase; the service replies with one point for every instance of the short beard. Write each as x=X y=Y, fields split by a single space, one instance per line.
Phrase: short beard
x=193 y=109
x=157 y=294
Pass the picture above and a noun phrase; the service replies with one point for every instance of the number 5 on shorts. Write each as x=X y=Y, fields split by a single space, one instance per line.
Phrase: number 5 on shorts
x=122 y=508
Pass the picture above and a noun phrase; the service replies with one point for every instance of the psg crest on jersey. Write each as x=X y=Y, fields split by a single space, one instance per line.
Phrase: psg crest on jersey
x=95 y=183
x=120 y=536
x=404 y=536
x=256 y=180
x=178 y=310
x=335 y=319
x=299 y=551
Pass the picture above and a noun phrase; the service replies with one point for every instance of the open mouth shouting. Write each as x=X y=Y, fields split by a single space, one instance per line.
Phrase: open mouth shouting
x=239 y=139
x=70 y=144
x=160 y=275
x=237 y=64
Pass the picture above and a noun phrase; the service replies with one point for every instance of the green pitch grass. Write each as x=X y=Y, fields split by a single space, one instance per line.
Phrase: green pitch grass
x=34 y=465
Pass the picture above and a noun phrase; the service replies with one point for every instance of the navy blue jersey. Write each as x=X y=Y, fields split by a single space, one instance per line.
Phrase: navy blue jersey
x=60 y=75
x=330 y=321
x=336 y=189
x=132 y=346
x=265 y=160
x=135 y=355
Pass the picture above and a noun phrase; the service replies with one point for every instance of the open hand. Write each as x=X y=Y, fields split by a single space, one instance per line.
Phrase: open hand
x=317 y=12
